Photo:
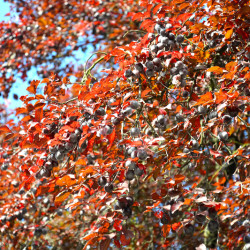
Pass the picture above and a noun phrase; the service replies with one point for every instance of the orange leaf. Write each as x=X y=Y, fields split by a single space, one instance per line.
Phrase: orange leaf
x=220 y=97
x=149 y=208
x=67 y=180
x=21 y=111
x=90 y=236
x=179 y=178
x=215 y=70
x=175 y=226
x=136 y=143
x=4 y=129
x=204 y=99
x=229 y=34
x=33 y=86
x=62 y=197
x=145 y=92
x=80 y=162
x=230 y=66
x=165 y=230
x=46 y=80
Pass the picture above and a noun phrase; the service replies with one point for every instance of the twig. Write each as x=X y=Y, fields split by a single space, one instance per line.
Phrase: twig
x=129 y=31
x=243 y=122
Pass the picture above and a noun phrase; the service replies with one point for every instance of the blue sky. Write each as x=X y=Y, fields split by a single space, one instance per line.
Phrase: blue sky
x=19 y=86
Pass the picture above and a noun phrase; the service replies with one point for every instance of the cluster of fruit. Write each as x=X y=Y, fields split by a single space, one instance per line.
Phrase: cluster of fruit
x=125 y=203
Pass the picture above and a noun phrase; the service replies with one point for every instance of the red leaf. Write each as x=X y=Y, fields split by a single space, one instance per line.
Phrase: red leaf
x=124 y=240
x=104 y=245
x=165 y=230
x=4 y=129
x=157 y=8
x=148 y=25
x=39 y=114
x=111 y=139
x=215 y=153
x=175 y=226
x=117 y=225
x=183 y=17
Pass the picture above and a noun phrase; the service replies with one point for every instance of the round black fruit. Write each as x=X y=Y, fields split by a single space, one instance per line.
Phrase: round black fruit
x=109 y=187
x=102 y=181
x=130 y=175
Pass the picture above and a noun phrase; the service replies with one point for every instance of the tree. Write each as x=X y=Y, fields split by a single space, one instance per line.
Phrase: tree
x=151 y=152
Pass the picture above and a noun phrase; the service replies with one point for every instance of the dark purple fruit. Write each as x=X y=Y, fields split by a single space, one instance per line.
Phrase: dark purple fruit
x=174 y=71
x=223 y=136
x=134 y=132
x=59 y=212
x=109 y=187
x=100 y=112
x=188 y=230
x=213 y=226
x=5 y=166
x=139 y=67
x=185 y=93
x=91 y=159
x=160 y=46
x=154 y=48
x=179 y=117
x=180 y=39
x=227 y=119
x=138 y=171
x=38 y=231
x=213 y=114
x=164 y=220
x=122 y=203
x=142 y=154
x=130 y=201
x=127 y=211
x=150 y=65
x=59 y=156
x=247 y=238
x=128 y=73
x=212 y=213
x=233 y=111
x=102 y=181
x=171 y=36
x=134 y=104
x=202 y=110
x=5 y=156
x=69 y=146
x=200 y=218
x=130 y=175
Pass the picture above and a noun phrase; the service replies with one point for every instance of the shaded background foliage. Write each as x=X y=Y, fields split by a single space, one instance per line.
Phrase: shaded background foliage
x=148 y=147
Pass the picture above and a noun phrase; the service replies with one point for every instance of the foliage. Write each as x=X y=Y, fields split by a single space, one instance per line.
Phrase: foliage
x=151 y=153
